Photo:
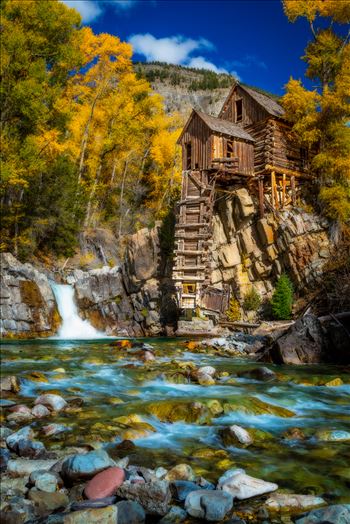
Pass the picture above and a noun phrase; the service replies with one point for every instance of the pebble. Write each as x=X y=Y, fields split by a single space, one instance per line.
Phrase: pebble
x=54 y=429
x=47 y=481
x=105 y=484
x=241 y=435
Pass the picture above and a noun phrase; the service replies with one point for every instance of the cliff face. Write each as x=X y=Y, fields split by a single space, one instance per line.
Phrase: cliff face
x=137 y=296
x=251 y=252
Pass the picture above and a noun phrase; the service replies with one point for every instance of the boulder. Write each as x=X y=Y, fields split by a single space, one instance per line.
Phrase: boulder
x=304 y=343
x=51 y=401
x=154 y=496
x=105 y=484
x=243 y=486
x=85 y=466
x=337 y=514
x=265 y=232
x=211 y=506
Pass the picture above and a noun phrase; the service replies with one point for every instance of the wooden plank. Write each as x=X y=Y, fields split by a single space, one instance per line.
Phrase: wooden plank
x=283 y=189
x=261 y=196
x=292 y=183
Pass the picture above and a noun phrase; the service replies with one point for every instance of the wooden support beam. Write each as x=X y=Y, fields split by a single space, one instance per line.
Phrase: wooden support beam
x=273 y=183
x=261 y=196
x=283 y=189
x=292 y=184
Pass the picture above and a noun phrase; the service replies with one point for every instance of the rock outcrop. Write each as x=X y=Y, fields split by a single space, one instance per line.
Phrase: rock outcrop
x=28 y=306
x=250 y=251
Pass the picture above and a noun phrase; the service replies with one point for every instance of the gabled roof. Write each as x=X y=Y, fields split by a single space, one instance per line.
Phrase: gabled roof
x=268 y=103
x=219 y=126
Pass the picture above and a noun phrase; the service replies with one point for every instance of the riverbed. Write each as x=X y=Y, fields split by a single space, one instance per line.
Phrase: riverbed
x=175 y=420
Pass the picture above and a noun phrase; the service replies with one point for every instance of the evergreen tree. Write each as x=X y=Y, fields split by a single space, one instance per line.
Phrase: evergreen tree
x=282 y=299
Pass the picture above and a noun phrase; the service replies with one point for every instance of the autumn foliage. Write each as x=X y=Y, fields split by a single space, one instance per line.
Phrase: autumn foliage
x=321 y=115
x=85 y=142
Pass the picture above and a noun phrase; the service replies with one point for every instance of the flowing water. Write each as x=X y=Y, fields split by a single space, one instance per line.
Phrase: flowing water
x=72 y=327
x=180 y=421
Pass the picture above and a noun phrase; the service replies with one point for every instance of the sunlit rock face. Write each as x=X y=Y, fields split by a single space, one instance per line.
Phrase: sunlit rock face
x=28 y=307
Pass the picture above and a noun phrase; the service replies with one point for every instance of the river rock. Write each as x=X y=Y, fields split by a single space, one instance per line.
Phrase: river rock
x=10 y=383
x=208 y=505
x=262 y=373
x=12 y=440
x=154 y=496
x=24 y=467
x=45 y=503
x=85 y=466
x=243 y=486
x=54 y=429
x=89 y=504
x=30 y=449
x=335 y=435
x=105 y=484
x=180 y=472
x=205 y=380
x=47 y=481
x=336 y=514
x=40 y=411
x=106 y=515
x=4 y=433
x=207 y=370
x=51 y=401
x=17 y=511
x=281 y=501
x=239 y=435
x=4 y=458
x=5 y=403
x=130 y=512
x=176 y=515
x=181 y=488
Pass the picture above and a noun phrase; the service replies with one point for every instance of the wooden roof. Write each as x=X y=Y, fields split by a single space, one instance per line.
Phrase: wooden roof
x=219 y=126
x=268 y=103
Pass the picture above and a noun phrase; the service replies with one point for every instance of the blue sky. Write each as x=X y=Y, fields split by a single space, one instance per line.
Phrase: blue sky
x=249 y=38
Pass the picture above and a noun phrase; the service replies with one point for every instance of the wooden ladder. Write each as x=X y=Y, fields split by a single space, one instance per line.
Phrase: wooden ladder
x=193 y=235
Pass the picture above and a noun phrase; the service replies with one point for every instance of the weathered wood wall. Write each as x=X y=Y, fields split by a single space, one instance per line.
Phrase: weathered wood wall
x=199 y=136
x=252 y=111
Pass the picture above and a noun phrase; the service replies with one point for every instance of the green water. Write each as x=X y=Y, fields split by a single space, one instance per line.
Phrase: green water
x=185 y=423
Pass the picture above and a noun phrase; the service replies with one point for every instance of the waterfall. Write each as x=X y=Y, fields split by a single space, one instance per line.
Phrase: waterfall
x=73 y=327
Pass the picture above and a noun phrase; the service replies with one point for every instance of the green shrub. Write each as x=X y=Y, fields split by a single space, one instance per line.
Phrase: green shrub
x=282 y=299
x=252 y=300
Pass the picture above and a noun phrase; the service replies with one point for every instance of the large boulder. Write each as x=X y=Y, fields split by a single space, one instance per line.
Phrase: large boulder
x=304 y=343
x=85 y=466
x=142 y=258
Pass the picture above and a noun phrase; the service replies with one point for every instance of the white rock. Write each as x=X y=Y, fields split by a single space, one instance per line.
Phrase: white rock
x=40 y=411
x=242 y=486
x=279 y=501
x=207 y=370
x=241 y=435
x=24 y=433
x=24 y=467
x=54 y=402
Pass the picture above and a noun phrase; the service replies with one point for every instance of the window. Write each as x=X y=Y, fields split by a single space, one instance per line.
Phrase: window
x=189 y=288
x=188 y=153
x=304 y=158
x=239 y=110
x=229 y=149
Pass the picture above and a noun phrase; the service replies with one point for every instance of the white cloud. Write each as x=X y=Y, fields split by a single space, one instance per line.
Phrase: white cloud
x=90 y=10
x=172 y=49
x=199 y=62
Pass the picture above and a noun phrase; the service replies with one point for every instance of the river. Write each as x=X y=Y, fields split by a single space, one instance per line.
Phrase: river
x=177 y=420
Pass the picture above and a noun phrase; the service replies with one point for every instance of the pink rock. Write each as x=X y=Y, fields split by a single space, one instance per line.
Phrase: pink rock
x=105 y=483
x=20 y=408
x=40 y=411
x=148 y=356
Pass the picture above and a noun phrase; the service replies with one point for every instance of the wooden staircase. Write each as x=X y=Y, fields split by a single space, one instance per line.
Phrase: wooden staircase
x=193 y=235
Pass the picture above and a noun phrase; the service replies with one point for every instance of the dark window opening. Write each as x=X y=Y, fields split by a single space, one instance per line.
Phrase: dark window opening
x=239 y=110
x=230 y=149
x=188 y=149
x=304 y=158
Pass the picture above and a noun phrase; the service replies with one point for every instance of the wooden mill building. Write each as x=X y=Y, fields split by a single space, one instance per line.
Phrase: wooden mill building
x=250 y=143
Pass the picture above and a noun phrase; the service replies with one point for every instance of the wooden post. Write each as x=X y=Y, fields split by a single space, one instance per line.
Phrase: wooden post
x=274 y=201
x=292 y=185
x=261 y=195
x=283 y=189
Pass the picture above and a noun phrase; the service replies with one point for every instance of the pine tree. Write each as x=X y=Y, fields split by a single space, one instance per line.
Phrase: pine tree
x=282 y=299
